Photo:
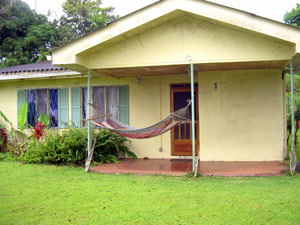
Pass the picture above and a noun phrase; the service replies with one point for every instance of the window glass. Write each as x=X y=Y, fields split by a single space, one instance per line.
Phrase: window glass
x=42 y=101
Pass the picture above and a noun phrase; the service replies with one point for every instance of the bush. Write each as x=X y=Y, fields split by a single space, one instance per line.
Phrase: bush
x=3 y=137
x=7 y=157
x=70 y=147
x=35 y=153
x=109 y=146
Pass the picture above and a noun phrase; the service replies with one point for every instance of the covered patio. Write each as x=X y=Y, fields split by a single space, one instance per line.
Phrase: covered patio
x=182 y=167
x=229 y=63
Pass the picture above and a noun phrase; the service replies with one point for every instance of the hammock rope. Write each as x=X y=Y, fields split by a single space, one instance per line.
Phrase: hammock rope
x=175 y=118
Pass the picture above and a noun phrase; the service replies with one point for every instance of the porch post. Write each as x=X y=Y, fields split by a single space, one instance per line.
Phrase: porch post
x=292 y=102
x=193 y=114
x=89 y=134
x=293 y=159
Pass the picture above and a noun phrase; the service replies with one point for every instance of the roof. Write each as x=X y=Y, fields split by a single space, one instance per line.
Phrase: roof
x=44 y=66
x=40 y=70
x=74 y=54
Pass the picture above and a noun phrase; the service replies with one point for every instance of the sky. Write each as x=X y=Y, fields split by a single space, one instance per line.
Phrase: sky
x=272 y=9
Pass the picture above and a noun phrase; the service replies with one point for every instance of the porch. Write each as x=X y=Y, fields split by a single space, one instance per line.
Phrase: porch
x=181 y=167
x=236 y=63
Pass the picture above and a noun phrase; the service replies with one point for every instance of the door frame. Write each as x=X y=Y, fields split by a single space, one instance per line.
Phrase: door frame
x=185 y=87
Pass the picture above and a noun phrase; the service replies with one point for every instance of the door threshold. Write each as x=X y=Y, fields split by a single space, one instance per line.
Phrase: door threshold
x=181 y=160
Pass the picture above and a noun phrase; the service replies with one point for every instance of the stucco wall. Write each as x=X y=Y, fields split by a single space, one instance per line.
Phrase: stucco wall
x=244 y=120
x=172 y=41
x=149 y=102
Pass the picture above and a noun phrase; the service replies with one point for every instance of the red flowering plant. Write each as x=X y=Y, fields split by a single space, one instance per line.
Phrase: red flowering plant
x=39 y=130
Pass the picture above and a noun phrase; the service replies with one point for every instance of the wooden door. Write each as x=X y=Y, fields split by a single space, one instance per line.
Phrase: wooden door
x=181 y=136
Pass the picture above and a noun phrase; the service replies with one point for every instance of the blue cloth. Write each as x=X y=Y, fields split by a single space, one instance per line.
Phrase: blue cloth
x=31 y=107
x=53 y=114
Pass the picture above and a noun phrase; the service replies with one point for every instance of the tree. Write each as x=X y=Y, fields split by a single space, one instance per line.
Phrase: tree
x=26 y=36
x=84 y=16
x=293 y=17
x=4 y=7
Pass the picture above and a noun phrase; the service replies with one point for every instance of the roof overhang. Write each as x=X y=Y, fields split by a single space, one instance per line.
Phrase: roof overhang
x=40 y=75
x=68 y=56
x=183 y=69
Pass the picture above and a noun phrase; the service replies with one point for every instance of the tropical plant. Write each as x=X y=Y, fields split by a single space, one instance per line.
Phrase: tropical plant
x=22 y=115
x=18 y=139
x=3 y=137
x=41 y=126
x=39 y=130
x=69 y=147
x=109 y=146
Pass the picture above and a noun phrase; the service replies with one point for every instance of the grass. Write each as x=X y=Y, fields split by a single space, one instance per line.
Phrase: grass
x=42 y=194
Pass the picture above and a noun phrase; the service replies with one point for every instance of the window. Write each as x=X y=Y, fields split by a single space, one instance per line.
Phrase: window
x=104 y=100
x=55 y=104
x=52 y=102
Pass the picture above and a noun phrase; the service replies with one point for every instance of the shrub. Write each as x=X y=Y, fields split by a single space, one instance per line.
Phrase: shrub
x=3 y=137
x=69 y=147
x=35 y=153
x=7 y=156
x=109 y=146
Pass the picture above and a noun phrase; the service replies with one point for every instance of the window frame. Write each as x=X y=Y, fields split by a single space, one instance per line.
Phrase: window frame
x=35 y=102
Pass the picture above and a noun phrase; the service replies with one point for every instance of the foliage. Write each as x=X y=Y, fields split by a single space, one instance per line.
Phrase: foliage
x=289 y=125
x=12 y=130
x=39 y=130
x=22 y=115
x=70 y=147
x=25 y=35
x=19 y=140
x=3 y=137
x=43 y=118
x=296 y=83
x=293 y=17
x=5 y=5
x=109 y=145
x=84 y=16
x=7 y=157
x=297 y=147
x=296 y=119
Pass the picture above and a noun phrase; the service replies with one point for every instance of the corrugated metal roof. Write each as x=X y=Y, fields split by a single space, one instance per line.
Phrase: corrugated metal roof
x=34 y=67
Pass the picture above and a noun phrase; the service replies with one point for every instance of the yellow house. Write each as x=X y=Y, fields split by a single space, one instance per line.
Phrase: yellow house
x=141 y=64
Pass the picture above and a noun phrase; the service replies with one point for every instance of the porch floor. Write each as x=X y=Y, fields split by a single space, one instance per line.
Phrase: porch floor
x=177 y=167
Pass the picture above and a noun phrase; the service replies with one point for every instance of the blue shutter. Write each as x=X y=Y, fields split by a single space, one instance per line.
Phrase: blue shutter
x=123 y=104
x=63 y=107
x=75 y=106
x=20 y=99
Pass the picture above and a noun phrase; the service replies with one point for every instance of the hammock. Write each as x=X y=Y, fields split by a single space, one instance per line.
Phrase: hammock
x=178 y=117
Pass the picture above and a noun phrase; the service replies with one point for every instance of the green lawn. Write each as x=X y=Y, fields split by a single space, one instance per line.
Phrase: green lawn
x=41 y=194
